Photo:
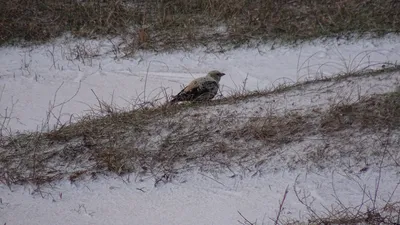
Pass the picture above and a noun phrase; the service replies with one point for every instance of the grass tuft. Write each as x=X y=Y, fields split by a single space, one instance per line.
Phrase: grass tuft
x=279 y=129
x=376 y=112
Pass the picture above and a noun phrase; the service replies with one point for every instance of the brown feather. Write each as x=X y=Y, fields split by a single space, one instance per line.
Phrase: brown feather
x=196 y=92
x=192 y=85
x=200 y=89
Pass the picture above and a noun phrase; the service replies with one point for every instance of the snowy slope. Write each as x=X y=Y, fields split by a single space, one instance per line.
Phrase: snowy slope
x=340 y=176
x=34 y=79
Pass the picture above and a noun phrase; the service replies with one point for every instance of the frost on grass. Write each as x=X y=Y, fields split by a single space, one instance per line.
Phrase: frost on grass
x=352 y=122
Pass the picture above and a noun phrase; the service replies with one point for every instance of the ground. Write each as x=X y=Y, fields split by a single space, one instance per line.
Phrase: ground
x=301 y=132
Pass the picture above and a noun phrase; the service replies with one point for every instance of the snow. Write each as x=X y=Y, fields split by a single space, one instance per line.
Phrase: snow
x=30 y=78
x=196 y=200
x=314 y=96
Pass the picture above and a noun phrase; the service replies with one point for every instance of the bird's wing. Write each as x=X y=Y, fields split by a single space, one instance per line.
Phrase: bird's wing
x=198 y=89
x=192 y=85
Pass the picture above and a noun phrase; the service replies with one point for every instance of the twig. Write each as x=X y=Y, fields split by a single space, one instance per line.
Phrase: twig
x=246 y=220
x=281 y=205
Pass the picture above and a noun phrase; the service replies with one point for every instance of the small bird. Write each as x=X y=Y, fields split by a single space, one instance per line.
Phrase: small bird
x=200 y=89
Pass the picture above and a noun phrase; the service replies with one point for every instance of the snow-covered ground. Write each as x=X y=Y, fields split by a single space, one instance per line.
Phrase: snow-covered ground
x=33 y=80
x=200 y=199
x=29 y=78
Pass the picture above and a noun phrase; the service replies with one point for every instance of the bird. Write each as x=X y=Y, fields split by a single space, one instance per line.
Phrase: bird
x=201 y=89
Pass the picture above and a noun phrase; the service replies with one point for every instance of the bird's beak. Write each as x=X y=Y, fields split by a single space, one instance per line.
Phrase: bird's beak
x=222 y=74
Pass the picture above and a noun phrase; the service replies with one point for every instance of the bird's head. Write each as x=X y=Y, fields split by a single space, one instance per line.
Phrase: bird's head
x=216 y=75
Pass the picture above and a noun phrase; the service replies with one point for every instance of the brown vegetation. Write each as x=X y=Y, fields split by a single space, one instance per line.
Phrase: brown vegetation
x=166 y=140
x=168 y=25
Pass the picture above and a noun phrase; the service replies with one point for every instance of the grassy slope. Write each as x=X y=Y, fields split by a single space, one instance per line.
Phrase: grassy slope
x=232 y=133
x=314 y=125
x=179 y=24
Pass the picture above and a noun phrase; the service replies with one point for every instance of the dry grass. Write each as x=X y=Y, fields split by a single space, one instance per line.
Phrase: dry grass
x=375 y=113
x=371 y=210
x=280 y=129
x=374 y=217
x=167 y=140
x=378 y=112
x=339 y=213
x=178 y=24
x=244 y=95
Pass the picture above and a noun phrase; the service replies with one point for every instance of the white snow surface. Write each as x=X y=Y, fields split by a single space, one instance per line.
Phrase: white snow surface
x=199 y=199
x=29 y=79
